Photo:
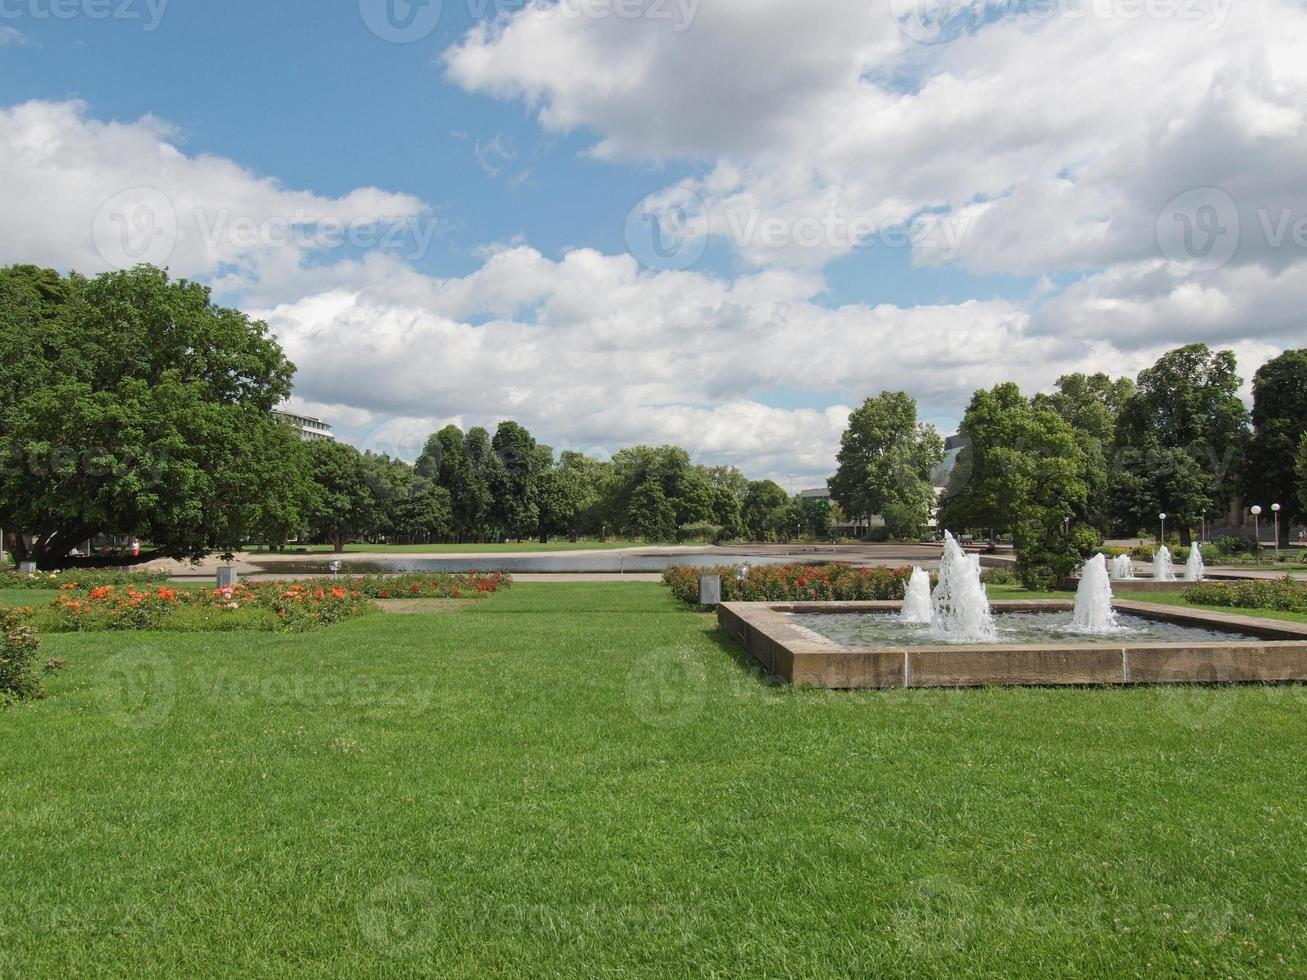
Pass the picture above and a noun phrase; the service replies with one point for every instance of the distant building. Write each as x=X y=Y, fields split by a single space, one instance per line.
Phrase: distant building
x=845 y=527
x=310 y=429
x=953 y=447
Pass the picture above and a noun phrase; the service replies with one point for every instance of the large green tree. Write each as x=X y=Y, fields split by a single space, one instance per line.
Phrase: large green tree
x=1023 y=471
x=409 y=507
x=1302 y=475
x=1091 y=404
x=571 y=496
x=345 y=502
x=131 y=404
x=1279 y=427
x=1180 y=441
x=764 y=509
x=885 y=460
x=516 y=508
x=473 y=497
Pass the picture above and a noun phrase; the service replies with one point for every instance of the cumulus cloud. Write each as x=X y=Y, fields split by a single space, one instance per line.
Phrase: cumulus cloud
x=1050 y=138
x=92 y=195
x=592 y=352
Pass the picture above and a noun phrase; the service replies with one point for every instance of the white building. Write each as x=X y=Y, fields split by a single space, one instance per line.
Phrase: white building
x=310 y=429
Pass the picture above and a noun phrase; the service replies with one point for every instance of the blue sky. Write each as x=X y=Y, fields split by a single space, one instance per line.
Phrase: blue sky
x=527 y=142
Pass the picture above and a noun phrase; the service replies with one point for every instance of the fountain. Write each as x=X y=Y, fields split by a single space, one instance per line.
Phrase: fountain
x=1194 y=569
x=917 y=607
x=961 y=605
x=1094 y=613
x=1123 y=567
x=1163 y=566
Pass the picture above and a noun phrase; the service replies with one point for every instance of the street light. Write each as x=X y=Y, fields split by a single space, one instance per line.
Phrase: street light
x=1257 y=529
x=1162 y=541
x=1276 y=508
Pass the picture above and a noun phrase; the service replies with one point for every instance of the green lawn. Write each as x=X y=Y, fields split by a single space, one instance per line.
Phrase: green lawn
x=585 y=780
x=487 y=549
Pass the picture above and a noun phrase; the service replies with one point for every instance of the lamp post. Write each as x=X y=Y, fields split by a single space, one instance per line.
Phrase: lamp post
x=1257 y=529
x=1161 y=542
x=1276 y=509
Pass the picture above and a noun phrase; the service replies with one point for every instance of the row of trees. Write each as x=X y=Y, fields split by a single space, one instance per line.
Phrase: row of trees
x=472 y=486
x=1098 y=455
x=131 y=405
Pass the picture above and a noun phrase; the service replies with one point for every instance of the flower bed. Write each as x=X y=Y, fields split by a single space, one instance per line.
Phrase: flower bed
x=289 y=607
x=1283 y=595
x=431 y=585
x=793 y=583
x=80 y=578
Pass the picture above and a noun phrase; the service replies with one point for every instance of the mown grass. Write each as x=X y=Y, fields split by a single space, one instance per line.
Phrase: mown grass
x=581 y=780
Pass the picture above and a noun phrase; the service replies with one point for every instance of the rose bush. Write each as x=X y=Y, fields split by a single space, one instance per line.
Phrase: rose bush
x=286 y=606
x=1282 y=595
x=793 y=583
x=18 y=645
x=80 y=578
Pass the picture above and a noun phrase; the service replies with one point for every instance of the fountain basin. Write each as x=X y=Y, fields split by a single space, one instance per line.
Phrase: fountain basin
x=1233 y=649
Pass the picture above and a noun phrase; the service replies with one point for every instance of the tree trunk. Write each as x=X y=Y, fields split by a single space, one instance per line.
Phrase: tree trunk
x=338 y=542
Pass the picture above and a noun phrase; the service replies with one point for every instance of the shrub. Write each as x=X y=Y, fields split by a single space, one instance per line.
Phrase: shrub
x=702 y=531
x=999 y=576
x=285 y=606
x=425 y=585
x=793 y=583
x=1283 y=595
x=1228 y=546
x=18 y=645
x=80 y=578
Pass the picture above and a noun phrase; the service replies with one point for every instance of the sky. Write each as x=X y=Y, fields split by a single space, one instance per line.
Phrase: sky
x=715 y=223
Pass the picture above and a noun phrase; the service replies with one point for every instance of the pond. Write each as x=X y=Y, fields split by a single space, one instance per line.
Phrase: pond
x=558 y=564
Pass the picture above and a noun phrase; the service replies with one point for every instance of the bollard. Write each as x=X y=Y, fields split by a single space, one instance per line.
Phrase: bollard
x=710 y=590
x=226 y=577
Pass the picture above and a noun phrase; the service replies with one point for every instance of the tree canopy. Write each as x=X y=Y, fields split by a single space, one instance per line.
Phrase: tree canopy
x=1180 y=440
x=1023 y=471
x=1279 y=420
x=131 y=404
x=885 y=460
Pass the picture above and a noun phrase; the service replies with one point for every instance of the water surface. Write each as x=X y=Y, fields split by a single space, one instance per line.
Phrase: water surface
x=879 y=629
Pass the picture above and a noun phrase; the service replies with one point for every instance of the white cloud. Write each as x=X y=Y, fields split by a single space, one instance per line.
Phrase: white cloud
x=592 y=353
x=91 y=195
x=1053 y=141
x=12 y=35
